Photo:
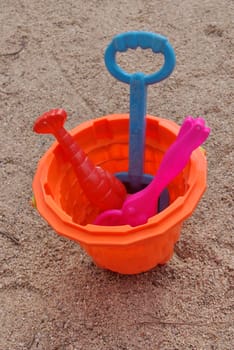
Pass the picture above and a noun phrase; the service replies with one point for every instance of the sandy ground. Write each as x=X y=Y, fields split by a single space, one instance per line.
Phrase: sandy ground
x=52 y=295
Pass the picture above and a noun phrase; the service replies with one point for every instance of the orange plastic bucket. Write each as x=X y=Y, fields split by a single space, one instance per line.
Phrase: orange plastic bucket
x=123 y=249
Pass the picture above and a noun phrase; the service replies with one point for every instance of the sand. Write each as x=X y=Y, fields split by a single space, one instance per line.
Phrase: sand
x=52 y=296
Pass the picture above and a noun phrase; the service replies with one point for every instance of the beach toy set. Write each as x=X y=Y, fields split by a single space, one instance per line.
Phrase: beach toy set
x=122 y=185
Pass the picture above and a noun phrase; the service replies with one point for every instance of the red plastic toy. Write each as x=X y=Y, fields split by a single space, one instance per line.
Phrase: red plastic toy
x=102 y=188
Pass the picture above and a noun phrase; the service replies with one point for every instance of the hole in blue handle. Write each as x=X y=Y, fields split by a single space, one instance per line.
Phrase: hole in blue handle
x=140 y=60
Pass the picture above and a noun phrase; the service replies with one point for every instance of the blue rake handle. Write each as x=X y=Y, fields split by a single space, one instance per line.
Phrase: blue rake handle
x=138 y=92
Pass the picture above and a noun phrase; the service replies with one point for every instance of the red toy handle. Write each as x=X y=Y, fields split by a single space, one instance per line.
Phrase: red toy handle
x=102 y=188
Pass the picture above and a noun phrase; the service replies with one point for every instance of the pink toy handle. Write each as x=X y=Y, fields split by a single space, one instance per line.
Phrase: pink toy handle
x=176 y=158
x=143 y=204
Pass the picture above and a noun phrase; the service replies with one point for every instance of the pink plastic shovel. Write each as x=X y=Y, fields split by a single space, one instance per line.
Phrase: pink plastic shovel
x=140 y=206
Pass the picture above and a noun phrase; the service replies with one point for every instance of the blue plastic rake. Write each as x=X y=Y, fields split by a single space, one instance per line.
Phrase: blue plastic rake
x=135 y=179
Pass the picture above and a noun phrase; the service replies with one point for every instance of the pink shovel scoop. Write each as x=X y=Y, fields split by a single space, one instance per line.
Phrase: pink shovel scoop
x=140 y=206
x=102 y=188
